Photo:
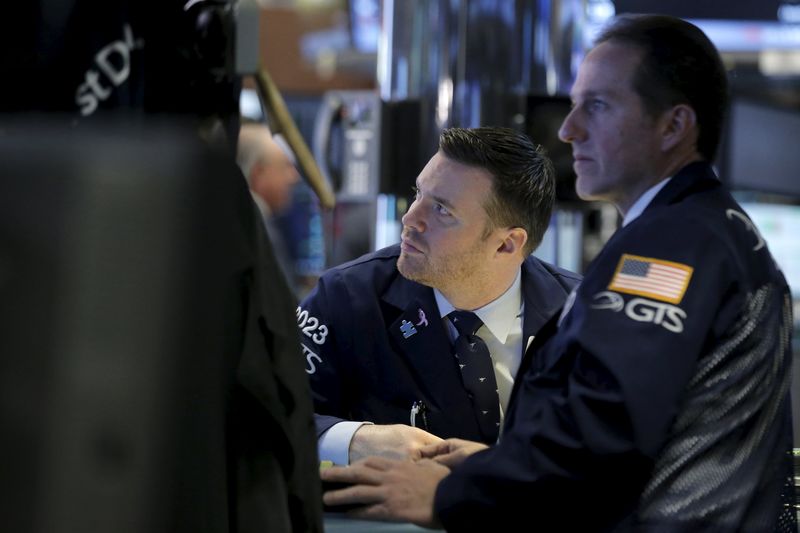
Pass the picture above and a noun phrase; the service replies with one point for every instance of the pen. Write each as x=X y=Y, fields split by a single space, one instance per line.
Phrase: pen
x=419 y=408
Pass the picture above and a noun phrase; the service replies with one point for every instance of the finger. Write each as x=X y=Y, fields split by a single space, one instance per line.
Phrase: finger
x=365 y=471
x=354 y=494
x=334 y=473
x=349 y=475
x=449 y=459
x=432 y=450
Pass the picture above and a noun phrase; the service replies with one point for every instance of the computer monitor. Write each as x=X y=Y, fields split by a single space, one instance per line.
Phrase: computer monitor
x=365 y=24
x=779 y=225
x=760 y=152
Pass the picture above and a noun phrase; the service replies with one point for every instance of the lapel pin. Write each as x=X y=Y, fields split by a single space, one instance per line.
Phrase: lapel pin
x=423 y=321
x=407 y=329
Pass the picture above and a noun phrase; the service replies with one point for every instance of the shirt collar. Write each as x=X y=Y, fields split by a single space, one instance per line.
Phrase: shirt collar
x=643 y=201
x=499 y=314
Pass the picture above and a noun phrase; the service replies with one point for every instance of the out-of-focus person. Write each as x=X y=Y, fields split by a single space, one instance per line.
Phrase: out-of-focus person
x=271 y=175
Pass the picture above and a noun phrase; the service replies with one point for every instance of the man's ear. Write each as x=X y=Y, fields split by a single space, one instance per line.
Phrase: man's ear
x=678 y=123
x=513 y=241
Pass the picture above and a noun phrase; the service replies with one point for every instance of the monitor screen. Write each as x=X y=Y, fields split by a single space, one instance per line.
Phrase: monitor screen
x=779 y=224
x=365 y=24
x=733 y=9
x=735 y=26
x=761 y=149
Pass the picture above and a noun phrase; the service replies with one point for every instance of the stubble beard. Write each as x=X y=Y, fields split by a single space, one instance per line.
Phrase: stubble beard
x=413 y=268
x=443 y=275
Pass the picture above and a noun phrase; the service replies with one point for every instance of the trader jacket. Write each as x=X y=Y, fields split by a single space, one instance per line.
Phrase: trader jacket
x=365 y=363
x=659 y=399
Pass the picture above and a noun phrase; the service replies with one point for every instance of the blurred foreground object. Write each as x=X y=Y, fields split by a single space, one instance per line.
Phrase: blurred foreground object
x=88 y=58
x=150 y=378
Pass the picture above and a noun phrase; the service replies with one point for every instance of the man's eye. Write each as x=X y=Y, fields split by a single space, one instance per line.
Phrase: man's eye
x=416 y=192
x=442 y=210
x=596 y=105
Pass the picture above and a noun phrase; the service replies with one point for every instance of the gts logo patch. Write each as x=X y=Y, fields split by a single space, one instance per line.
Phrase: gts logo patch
x=662 y=314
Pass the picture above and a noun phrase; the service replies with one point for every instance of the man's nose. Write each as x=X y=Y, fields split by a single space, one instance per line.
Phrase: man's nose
x=569 y=130
x=414 y=217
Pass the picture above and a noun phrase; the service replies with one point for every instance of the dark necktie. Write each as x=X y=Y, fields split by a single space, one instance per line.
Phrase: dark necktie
x=477 y=373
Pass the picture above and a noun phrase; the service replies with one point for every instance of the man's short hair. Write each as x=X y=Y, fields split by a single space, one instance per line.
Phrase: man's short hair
x=679 y=65
x=523 y=184
x=250 y=146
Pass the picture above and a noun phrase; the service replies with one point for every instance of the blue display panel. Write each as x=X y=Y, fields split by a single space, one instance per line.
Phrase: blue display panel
x=779 y=224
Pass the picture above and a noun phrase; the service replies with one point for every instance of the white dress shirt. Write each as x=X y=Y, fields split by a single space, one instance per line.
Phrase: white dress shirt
x=643 y=201
x=501 y=331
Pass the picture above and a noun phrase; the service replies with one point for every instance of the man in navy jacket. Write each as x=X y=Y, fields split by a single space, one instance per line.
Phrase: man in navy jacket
x=376 y=335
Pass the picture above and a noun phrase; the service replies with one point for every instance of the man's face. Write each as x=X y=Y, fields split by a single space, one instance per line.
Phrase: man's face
x=615 y=143
x=275 y=178
x=443 y=241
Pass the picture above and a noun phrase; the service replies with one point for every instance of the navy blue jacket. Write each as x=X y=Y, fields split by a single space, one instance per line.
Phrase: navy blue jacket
x=661 y=400
x=360 y=365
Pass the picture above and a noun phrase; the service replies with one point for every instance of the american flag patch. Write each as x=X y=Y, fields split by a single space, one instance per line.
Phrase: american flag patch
x=654 y=278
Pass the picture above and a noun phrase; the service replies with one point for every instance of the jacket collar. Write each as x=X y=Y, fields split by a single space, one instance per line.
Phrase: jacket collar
x=694 y=177
x=542 y=295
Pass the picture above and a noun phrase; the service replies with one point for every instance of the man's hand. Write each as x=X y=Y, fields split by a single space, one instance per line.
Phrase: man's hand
x=387 y=489
x=451 y=452
x=396 y=441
